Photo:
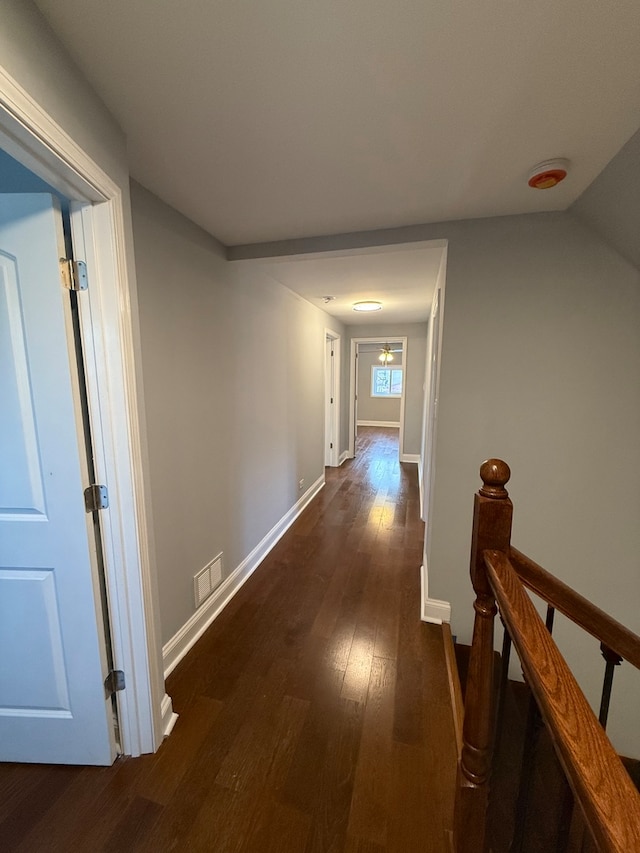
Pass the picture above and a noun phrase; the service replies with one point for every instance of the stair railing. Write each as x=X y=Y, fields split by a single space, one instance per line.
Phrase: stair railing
x=602 y=788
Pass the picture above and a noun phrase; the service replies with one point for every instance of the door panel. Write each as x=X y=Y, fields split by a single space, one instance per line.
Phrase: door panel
x=53 y=707
x=21 y=490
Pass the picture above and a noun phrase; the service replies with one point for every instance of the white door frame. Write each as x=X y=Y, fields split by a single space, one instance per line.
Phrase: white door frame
x=332 y=411
x=432 y=609
x=353 y=386
x=31 y=136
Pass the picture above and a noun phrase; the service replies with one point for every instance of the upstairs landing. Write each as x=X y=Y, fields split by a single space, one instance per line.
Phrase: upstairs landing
x=315 y=713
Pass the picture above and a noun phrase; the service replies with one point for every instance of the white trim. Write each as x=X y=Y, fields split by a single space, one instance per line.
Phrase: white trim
x=30 y=134
x=394 y=424
x=410 y=457
x=421 y=485
x=432 y=610
x=332 y=412
x=187 y=636
x=343 y=457
x=169 y=717
x=353 y=385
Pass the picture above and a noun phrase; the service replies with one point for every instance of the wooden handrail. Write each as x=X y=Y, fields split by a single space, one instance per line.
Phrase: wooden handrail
x=577 y=608
x=601 y=785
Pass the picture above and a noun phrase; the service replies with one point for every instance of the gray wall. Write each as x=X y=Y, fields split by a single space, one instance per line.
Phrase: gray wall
x=33 y=56
x=375 y=408
x=540 y=366
x=611 y=205
x=416 y=333
x=229 y=436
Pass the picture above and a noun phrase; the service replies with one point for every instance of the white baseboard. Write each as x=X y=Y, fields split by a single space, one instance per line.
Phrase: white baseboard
x=169 y=716
x=178 y=646
x=395 y=424
x=410 y=457
x=433 y=610
x=343 y=457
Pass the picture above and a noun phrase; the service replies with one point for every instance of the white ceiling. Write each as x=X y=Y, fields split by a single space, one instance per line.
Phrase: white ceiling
x=265 y=120
x=402 y=277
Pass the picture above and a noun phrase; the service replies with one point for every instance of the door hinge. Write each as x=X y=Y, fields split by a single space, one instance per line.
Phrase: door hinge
x=114 y=682
x=331 y=445
x=331 y=399
x=96 y=497
x=74 y=274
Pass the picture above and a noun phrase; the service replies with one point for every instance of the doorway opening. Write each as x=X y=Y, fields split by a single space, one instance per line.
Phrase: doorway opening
x=377 y=391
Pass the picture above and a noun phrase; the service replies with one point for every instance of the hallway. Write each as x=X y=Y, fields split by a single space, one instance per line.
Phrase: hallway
x=314 y=713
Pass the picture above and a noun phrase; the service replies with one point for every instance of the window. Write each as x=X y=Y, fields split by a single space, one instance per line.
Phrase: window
x=386 y=381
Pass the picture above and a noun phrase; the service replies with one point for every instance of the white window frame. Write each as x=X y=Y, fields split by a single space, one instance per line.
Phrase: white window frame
x=375 y=367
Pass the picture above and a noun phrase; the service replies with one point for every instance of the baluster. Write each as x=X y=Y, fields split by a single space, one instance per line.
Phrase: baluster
x=504 y=678
x=532 y=733
x=491 y=531
x=551 y=612
x=613 y=660
x=533 y=728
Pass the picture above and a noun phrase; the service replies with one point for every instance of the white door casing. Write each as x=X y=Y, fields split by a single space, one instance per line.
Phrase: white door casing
x=353 y=393
x=107 y=314
x=53 y=706
x=332 y=398
x=328 y=398
x=432 y=609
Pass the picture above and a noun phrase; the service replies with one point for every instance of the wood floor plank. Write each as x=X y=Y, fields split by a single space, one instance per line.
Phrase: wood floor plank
x=62 y=827
x=278 y=829
x=32 y=808
x=369 y=806
x=133 y=825
x=332 y=802
x=176 y=755
x=313 y=714
x=409 y=705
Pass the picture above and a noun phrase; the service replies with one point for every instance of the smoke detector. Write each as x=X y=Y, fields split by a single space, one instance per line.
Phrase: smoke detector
x=548 y=174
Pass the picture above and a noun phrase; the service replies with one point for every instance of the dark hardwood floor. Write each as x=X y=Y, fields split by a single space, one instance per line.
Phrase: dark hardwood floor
x=314 y=713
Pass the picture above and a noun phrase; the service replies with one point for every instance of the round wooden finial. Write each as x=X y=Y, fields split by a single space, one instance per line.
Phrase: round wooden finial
x=495 y=474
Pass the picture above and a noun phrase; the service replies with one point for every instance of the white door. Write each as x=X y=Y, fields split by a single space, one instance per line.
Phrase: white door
x=329 y=383
x=53 y=707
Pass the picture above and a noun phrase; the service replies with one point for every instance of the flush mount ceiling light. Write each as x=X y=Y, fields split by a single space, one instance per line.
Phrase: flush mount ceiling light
x=368 y=305
x=548 y=174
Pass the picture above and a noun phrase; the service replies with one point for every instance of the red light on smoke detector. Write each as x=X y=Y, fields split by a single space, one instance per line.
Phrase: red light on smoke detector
x=548 y=174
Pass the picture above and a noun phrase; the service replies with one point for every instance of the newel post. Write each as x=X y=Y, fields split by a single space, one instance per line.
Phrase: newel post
x=492 y=515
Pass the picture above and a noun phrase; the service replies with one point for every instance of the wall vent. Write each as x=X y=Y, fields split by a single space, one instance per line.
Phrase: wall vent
x=206 y=580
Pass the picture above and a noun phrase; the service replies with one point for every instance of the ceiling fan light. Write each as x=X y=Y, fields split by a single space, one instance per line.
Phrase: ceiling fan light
x=367 y=305
x=385 y=357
